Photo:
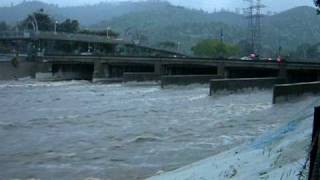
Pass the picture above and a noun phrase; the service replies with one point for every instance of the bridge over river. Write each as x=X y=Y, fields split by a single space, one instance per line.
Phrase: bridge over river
x=61 y=112
x=60 y=56
x=103 y=67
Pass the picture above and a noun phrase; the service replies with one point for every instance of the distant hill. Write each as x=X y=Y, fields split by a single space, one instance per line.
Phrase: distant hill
x=287 y=29
x=87 y=15
x=160 y=21
x=166 y=14
x=293 y=27
x=17 y=13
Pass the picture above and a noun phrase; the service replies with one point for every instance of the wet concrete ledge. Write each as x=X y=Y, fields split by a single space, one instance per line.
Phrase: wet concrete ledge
x=221 y=85
x=107 y=80
x=187 y=79
x=290 y=92
x=9 y=71
x=140 y=77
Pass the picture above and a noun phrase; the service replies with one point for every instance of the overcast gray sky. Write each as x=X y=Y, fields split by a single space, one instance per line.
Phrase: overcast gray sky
x=208 y=5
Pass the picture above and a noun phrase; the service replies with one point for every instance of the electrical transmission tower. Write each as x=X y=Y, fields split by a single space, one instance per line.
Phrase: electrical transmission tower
x=254 y=15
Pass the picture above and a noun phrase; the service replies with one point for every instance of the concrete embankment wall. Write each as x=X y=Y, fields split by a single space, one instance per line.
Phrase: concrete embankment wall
x=243 y=83
x=138 y=77
x=289 y=92
x=8 y=71
x=187 y=79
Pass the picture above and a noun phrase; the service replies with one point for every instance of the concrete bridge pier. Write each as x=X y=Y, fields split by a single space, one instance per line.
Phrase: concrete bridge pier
x=44 y=71
x=222 y=71
x=167 y=70
x=283 y=73
x=318 y=76
x=101 y=72
x=158 y=69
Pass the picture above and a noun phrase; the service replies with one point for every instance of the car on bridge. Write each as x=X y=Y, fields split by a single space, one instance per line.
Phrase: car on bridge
x=246 y=58
x=86 y=54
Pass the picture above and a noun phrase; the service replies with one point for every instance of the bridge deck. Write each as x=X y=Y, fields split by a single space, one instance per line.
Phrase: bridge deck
x=185 y=61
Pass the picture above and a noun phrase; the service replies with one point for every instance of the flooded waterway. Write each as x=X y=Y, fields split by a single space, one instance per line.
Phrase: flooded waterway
x=78 y=130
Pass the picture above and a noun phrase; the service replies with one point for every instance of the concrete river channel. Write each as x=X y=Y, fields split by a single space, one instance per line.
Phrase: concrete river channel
x=79 y=130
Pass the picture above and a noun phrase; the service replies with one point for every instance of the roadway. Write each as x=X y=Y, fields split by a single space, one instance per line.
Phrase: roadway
x=230 y=63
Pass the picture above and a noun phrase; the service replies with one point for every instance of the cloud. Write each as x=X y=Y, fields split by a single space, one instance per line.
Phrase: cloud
x=272 y=5
x=208 y=5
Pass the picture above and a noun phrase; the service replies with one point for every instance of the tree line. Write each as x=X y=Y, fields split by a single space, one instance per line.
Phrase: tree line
x=317 y=3
x=217 y=48
x=42 y=21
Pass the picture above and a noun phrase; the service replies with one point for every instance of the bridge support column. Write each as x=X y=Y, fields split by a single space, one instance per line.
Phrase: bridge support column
x=222 y=71
x=44 y=72
x=318 y=76
x=168 y=70
x=107 y=71
x=158 y=69
x=101 y=71
x=283 y=73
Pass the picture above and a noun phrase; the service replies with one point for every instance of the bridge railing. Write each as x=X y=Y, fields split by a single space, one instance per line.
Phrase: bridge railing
x=56 y=35
x=89 y=38
x=15 y=34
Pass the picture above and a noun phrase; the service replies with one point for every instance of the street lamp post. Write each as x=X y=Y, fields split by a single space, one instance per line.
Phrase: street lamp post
x=108 y=29
x=55 y=27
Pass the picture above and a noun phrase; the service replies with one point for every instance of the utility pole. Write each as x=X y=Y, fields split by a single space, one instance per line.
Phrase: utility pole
x=55 y=27
x=249 y=12
x=221 y=35
x=254 y=15
x=108 y=29
x=258 y=15
x=279 y=48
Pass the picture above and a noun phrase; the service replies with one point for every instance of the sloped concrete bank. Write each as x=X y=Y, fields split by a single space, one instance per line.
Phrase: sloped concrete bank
x=279 y=153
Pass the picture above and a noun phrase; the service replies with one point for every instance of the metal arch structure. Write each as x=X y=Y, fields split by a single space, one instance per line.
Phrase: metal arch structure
x=33 y=21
